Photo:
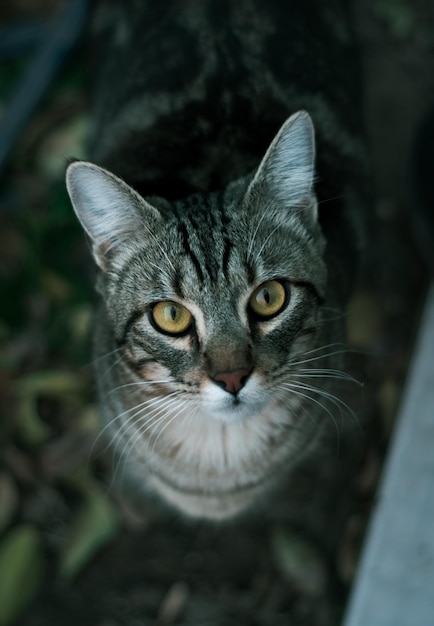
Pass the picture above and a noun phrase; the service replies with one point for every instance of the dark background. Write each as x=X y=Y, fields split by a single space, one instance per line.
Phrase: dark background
x=71 y=550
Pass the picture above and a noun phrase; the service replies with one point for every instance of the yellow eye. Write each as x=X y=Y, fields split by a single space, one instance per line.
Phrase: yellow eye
x=171 y=318
x=268 y=299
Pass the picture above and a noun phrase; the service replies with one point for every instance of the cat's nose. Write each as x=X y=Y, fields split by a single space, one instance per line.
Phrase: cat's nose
x=234 y=381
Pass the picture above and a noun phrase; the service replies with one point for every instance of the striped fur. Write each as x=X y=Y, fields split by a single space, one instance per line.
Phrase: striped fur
x=204 y=113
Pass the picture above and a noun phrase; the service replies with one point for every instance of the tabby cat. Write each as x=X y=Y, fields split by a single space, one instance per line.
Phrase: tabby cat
x=225 y=237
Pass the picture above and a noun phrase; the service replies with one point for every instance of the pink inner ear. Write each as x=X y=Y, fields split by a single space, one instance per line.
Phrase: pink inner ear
x=104 y=247
x=101 y=253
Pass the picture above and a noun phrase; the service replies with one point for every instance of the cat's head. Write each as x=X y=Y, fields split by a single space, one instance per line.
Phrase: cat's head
x=213 y=295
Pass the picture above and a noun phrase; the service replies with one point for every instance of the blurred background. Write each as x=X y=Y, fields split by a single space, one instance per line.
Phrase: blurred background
x=71 y=552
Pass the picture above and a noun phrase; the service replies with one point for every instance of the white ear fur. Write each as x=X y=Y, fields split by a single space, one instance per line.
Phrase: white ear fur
x=287 y=169
x=109 y=210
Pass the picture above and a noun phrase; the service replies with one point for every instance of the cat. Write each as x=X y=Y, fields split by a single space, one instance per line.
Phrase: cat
x=224 y=202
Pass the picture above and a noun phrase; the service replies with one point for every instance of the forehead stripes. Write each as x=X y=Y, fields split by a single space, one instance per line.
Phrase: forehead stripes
x=203 y=228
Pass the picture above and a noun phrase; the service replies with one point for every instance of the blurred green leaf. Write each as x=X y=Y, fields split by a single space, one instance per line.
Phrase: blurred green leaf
x=51 y=382
x=33 y=431
x=22 y=568
x=96 y=524
x=89 y=420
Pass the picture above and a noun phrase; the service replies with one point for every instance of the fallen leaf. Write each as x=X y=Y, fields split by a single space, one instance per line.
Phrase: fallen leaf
x=95 y=524
x=21 y=570
x=173 y=604
x=299 y=561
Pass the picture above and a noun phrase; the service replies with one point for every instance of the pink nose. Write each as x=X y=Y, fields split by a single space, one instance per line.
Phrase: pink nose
x=232 y=382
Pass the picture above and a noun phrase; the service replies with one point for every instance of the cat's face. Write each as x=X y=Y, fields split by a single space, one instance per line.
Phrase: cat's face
x=217 y=310
x=213 y=301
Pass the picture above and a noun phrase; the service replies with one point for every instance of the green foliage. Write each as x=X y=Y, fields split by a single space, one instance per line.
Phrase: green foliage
x=48 y=423
x=22 y=566
x=95 y=524
x=46 y=285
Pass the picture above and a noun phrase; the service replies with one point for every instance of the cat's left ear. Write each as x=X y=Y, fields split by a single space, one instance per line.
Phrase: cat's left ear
x=109 y=210
x=286 y=172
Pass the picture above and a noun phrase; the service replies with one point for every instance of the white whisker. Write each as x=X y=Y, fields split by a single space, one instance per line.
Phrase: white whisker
x=105 y=356
x=326 y=373
x=180 y=410
x=116 y=362
x=311 y=359
x=293 y=388
x=340 y=404
x=156 y=404
x=268 y=239
x=140 y=383
x=151 y=425
x=252 y=239
x=120 y=432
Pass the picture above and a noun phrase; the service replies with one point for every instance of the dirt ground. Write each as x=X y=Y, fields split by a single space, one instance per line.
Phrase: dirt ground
x=77 y=554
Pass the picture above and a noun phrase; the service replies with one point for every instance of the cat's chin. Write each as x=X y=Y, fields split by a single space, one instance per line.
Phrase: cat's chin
x=212 y=506
x=231 y=412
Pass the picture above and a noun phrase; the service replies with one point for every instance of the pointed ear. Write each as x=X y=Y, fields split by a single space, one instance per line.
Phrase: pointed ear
x=286 y=172
x=109 y=210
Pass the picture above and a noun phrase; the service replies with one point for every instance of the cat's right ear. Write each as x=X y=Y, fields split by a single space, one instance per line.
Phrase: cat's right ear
x=286 y=172
x=109 y=210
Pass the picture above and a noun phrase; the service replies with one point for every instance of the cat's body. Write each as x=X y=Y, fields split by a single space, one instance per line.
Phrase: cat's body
x=215 y=325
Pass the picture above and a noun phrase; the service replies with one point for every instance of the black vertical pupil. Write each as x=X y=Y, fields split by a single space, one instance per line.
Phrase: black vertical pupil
x=266 y=295
x=173 y=313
